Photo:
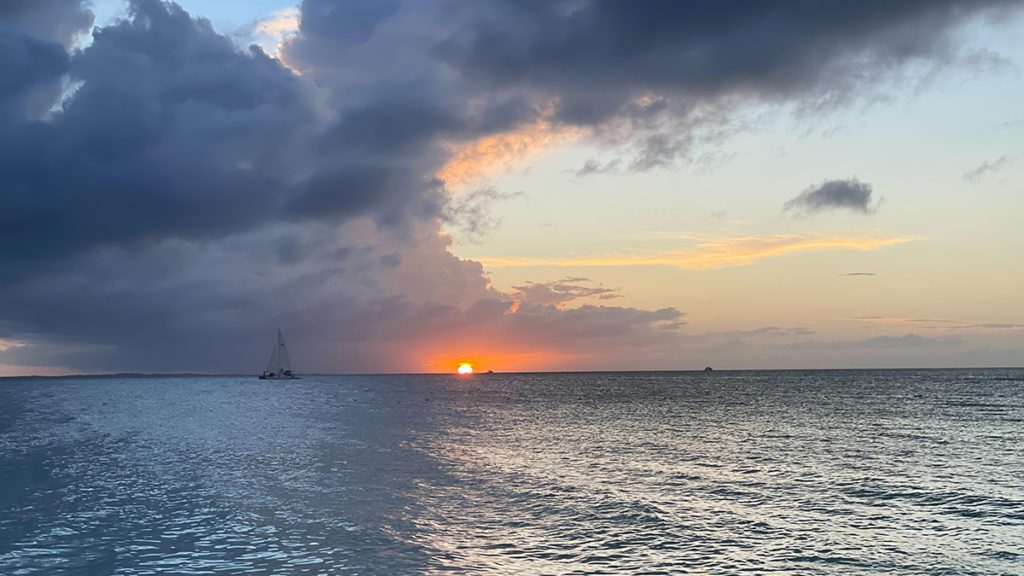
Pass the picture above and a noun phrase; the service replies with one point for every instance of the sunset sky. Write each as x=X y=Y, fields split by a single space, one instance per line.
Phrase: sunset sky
x=564 y=185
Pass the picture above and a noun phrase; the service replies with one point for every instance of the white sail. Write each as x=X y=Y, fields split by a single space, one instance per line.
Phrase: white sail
x=274 y=365
x=280 y=363
x=284 y=362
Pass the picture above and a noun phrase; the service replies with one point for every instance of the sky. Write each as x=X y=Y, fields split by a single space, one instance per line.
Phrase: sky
x=404 y=186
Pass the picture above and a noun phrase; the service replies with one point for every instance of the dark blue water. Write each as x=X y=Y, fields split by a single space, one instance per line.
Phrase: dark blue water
x=826 y=472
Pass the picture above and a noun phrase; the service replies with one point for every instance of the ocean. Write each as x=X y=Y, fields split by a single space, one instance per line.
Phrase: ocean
x=781 y=472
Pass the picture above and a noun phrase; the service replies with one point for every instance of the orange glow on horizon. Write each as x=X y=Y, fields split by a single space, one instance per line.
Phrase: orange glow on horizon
x=504 y=358
x=485 y=351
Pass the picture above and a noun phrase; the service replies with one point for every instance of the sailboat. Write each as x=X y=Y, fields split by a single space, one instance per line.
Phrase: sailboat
x=280 y=365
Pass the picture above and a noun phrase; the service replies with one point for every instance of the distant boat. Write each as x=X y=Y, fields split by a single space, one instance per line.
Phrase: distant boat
x=709 y=369
x=280 y=365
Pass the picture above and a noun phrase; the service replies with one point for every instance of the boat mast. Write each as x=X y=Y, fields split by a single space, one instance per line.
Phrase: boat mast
x=284 y=360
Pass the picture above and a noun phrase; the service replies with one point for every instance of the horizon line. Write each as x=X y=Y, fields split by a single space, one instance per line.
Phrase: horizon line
x=517 y=372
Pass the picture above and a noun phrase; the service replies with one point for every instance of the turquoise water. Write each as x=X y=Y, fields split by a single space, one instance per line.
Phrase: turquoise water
x=821 y=472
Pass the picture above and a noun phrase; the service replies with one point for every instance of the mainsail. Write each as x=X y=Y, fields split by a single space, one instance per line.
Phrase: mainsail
x=284 y=363
x=280 y=364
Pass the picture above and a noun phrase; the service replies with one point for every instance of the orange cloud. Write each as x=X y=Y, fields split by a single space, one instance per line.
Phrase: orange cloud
x=514 y=307
x=502 y=151
x=716 y=253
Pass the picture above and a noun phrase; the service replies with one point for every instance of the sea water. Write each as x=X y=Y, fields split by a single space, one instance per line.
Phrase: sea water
x=816 y=472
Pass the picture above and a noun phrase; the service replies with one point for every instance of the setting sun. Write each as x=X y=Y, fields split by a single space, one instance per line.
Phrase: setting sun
x=465 y=369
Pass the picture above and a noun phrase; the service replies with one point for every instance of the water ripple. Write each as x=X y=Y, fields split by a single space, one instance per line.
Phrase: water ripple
x=845 y=472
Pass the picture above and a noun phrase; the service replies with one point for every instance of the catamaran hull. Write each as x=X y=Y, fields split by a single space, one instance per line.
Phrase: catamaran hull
x=279 y=377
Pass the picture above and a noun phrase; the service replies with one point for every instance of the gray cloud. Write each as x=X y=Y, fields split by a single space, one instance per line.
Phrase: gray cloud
x=219 y=304
x=189 y=195
x=173 y=133
x=58 y=21
x=34 y=36
x=657 y=79
x=898 y=320
x=849 y=194
x=592 y=167
x=32 y=69
x=990 y=326
x=909 y=340
x=392 y=260
x=859 y=274
x=763 y=332
x=986 y=168
x=662 y=63
x=563 y=291
x=470 y=213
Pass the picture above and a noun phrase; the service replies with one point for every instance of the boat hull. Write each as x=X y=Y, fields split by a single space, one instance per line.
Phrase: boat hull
x=263 y=377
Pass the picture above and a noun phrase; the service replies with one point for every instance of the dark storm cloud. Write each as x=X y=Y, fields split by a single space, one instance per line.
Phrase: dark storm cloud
x=169 y=198
x=190 y=306
x=209 y=305
x=849 y=194
x=33 y=58
x=59 y=21
x=348 y=22
x=31 y=70
x=597 y=55
x=171 y=133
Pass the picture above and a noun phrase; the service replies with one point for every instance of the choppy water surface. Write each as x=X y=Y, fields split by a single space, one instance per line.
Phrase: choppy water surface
x=905 y=472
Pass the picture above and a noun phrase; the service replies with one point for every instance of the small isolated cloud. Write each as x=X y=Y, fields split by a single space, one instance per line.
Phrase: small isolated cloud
x=562 y=292
x=660 y=151
x=986 y=168
x=859 y=274
x=592 y=167
x=848 y=194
